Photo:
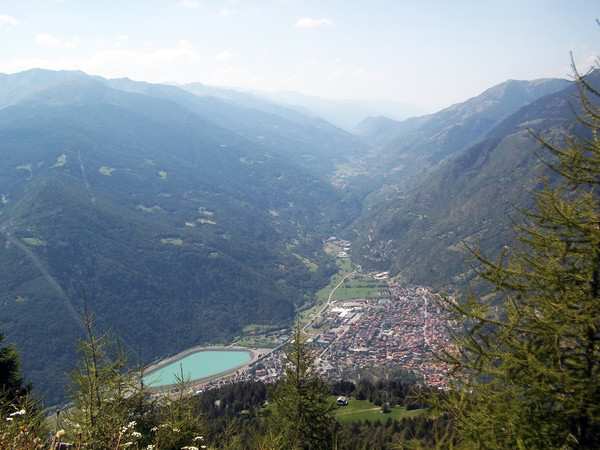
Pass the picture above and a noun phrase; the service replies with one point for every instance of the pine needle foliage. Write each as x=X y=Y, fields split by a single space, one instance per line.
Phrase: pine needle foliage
x=98 y=389
x=21 y=420
x=302 y=416
x=526 y=357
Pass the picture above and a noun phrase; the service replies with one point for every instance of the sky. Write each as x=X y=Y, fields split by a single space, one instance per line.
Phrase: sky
x=430 y=53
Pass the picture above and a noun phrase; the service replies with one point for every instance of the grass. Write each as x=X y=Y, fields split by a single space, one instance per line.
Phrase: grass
x=345 y=268
x=359 y=288
x=306 y=316
x=256 y=328
x=258 y=341
x=335 y=280
x=25 y=167
x=348 y=170
x=146 y=209
x=60 y=161
x=258 y=336
x=172 y=241
x=312 y=267
x=104 y=170
x=364 y=410
x=33 y=241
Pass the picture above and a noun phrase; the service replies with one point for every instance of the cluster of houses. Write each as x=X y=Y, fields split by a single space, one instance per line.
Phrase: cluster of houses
x=404 y=327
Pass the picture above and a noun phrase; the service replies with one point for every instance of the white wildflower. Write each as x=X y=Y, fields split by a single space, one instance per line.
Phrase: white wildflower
x=198 y=438
x=136 y=434
x=18 y=413
x=175 y=430
x=9 y=419
x=131 y=424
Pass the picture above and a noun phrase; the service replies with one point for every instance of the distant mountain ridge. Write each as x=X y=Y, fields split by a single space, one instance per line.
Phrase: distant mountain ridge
x=404 y=152
x=491 y=106
x=346 y=114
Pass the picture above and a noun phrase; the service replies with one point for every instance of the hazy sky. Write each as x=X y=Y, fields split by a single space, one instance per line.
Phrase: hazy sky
x=431 y=53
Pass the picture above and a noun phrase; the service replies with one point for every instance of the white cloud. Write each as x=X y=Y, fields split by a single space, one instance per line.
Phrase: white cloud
x=153 y=66
x=233 y=76
x=224 y=56
x=8 y=20
x=364 y=74
x=183 y=52
x=20 y=65
x=53 y=41
x=231 y=71
x=308 y=22
x=120 y=40
x=336 y=75
x=189 y=4
x=227 y=12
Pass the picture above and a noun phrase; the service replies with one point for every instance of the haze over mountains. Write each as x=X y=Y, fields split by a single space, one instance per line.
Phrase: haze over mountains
x=345 y=114
x=187 y=215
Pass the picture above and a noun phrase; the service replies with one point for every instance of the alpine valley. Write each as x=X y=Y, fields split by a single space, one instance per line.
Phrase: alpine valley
x=182 y=214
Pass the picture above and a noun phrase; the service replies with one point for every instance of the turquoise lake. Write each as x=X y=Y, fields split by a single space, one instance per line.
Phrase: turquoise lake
x=197 y=365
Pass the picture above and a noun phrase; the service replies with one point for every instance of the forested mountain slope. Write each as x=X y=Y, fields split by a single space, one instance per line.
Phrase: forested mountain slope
x=187 y=217
x=406 y=151
x=181 y=231
x=467 y=200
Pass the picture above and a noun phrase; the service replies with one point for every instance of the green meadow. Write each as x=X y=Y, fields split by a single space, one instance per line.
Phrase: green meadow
x=364 y=410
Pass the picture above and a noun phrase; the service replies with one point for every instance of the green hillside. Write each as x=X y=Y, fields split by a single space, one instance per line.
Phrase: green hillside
x=180 y=231
x=421 y=233
x=188 y=218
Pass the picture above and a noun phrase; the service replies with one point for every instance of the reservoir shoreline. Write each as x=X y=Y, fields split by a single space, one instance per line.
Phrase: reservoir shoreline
x=255 y=355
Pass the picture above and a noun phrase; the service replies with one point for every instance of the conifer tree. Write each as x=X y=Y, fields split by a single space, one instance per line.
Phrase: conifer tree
x=98 y=390
x=526 y=361
x=21 y=418
x=112 y=408
x=179 y=423
x=302 y=416
x=11 y=376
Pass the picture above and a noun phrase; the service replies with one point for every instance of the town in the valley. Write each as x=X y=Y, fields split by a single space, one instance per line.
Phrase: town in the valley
x=368 y=320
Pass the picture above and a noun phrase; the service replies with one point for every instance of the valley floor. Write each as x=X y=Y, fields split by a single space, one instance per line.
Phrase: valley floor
x=365 y=321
